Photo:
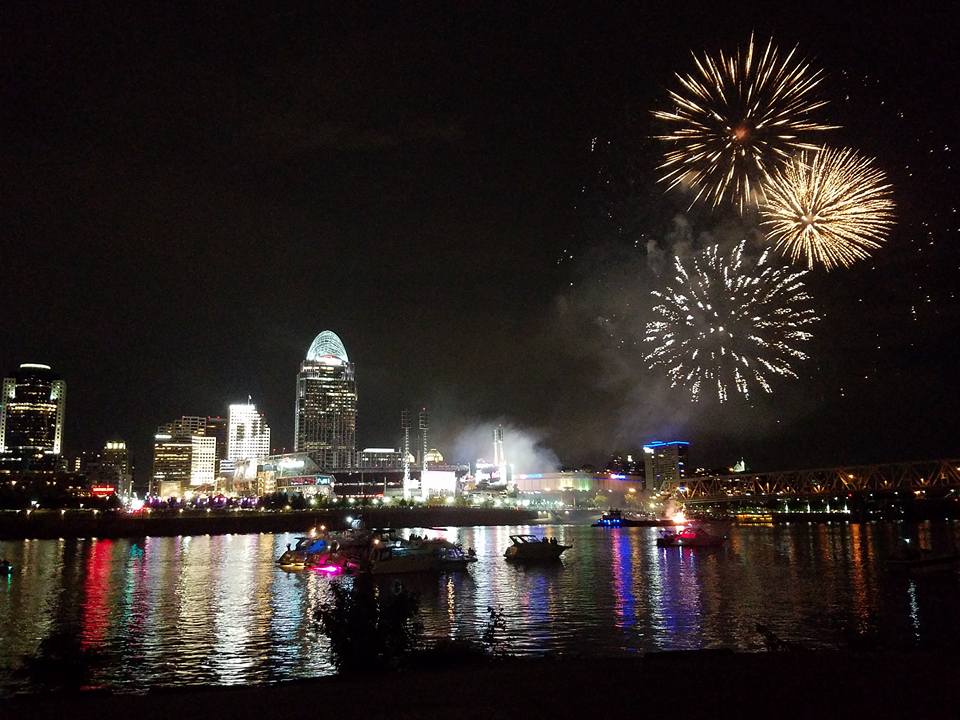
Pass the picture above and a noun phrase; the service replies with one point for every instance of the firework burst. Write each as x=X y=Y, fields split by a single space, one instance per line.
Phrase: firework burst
x=729 y=324
x=831 y=207
x=736 y=119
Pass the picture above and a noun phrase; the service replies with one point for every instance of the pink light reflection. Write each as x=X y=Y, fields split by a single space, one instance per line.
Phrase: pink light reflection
x=329 y=569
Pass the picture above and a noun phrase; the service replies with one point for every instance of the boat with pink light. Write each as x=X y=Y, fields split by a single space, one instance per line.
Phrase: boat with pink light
x=690 y=536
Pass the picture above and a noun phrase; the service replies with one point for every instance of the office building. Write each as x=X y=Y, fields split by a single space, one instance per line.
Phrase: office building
x=248 y=436
x=107 y=471
x=326 y=403
x=185 y=453
x=116 y=466
x=203 y=460
x=665 y=462
x=31 y=417
x=172 y=464
x=185 y=426
x=219 y=428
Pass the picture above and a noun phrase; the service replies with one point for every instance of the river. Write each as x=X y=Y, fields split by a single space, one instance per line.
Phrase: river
x=216 y=609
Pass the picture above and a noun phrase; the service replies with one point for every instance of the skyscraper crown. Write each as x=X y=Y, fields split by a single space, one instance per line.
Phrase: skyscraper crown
x=327 y=345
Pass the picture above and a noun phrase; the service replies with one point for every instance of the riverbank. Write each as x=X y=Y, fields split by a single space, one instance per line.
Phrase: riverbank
x=690 y=685
x=53 y=524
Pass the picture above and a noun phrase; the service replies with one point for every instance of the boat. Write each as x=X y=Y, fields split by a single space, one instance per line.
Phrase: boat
x=6 y=568
x=333 y=561
x=690 y=536
x=302 y=553
x=390 y=554
x=530 y=548
x=615 y=518
x=451 y=557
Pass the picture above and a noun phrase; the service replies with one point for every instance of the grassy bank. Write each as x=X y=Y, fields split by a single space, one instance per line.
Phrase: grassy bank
x=84 y=523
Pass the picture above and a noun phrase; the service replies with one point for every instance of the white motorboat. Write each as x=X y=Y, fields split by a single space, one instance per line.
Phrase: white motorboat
x=390 y=554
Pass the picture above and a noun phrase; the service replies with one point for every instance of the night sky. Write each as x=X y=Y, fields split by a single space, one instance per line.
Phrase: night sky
x=468 y=199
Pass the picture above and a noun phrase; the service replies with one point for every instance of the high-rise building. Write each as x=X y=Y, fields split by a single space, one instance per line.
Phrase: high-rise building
x=31 y=416
x=185 y=453
x=106 y=470
x=115 y=466
x=326 y=407
x=665 y=462
x=203 y=459
x=248 y=436
x=218 y=428
x=172 y=461
x=185 y=426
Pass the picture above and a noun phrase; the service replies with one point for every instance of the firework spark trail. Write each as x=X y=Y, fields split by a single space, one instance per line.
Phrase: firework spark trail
x=736 y=119
x=729 y=325
x=831 y=207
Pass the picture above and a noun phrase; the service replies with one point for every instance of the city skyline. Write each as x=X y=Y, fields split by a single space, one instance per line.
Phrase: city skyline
x=483 y=227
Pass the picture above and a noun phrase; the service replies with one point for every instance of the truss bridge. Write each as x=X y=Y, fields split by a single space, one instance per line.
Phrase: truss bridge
x=937 y=477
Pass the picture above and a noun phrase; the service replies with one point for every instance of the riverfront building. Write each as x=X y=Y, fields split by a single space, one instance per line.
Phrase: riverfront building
x=32 y=410
x=326 y=404
x=665 y=462
x=304 y=473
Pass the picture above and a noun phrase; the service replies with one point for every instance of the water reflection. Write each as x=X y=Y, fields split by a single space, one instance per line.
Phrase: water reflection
x=217 y=610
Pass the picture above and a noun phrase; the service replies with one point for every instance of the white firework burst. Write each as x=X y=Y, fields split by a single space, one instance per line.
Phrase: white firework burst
x=729 y=324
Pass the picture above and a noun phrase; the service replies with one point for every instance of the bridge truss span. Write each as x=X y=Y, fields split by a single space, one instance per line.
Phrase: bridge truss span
x=912 y=477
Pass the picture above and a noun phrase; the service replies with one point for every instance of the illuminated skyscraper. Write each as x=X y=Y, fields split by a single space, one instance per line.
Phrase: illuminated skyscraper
x=31 y=415
x=203 y=459
x=665 y=461
x=171 y=464
x=326 y=409
x=248 y=437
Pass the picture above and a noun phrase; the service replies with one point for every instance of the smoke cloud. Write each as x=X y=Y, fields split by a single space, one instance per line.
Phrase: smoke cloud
x=524 y=448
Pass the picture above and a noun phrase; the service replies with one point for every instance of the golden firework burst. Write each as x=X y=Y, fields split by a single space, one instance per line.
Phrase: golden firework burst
x=832 y=207
x=736 y=119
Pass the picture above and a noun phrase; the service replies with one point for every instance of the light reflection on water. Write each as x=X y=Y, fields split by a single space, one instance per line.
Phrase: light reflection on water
x=216 y=610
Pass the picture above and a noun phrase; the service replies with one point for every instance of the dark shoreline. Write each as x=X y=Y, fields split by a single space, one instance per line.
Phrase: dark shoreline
x=85 y=524
x=711 y=684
